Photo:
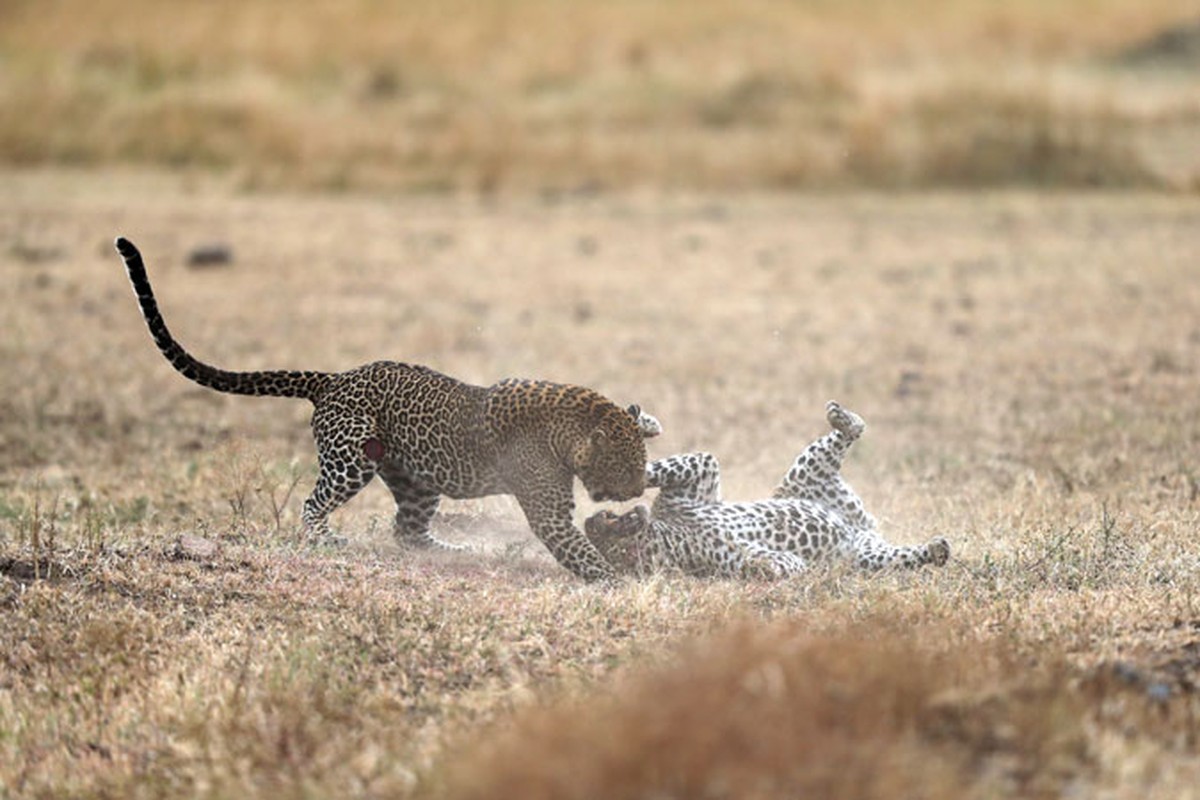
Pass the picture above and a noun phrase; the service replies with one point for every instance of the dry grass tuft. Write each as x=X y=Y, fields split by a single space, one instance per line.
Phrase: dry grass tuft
x=776 y=711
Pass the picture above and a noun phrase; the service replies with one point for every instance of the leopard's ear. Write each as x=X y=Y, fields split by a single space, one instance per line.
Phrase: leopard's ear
x=648 y=425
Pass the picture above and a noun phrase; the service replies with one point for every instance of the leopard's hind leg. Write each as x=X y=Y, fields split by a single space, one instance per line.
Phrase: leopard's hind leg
x=763 y=562
x=415 y=507
x=815 y=475
x=873 y=553
x=343 y=473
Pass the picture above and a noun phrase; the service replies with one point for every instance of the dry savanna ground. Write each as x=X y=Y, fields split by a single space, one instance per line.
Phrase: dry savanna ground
x=1027 y=364
x=591 y=192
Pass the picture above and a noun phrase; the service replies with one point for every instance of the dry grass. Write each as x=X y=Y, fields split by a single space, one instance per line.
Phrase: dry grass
x=564 y=95
x=777 y=711
x=1024 y=363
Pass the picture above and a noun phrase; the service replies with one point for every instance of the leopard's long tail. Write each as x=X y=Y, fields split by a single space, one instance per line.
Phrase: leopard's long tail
x=275 y=383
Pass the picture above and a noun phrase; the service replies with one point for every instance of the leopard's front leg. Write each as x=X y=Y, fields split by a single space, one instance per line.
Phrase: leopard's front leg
x=549 y=507
x=690 y=476
x=816 y=476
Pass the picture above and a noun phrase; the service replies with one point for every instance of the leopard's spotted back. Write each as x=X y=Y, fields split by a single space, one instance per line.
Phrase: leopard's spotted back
x=426 y=434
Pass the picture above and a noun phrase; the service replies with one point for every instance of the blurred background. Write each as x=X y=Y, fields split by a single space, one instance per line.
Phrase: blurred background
x=976 y=222
x=554 y=96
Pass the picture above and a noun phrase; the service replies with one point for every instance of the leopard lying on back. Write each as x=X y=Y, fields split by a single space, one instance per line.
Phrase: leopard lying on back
x=426 y=434
x=813 y=514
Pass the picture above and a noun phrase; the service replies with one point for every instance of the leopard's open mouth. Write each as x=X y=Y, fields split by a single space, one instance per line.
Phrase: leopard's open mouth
x=606 y=522
x=600 y=522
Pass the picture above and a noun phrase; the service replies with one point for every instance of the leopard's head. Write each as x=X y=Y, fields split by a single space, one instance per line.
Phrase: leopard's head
x=611 y=459
x=621 y=538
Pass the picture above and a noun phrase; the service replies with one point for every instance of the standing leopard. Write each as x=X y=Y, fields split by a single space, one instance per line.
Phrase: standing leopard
x=426 y=434
x=813 y=514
